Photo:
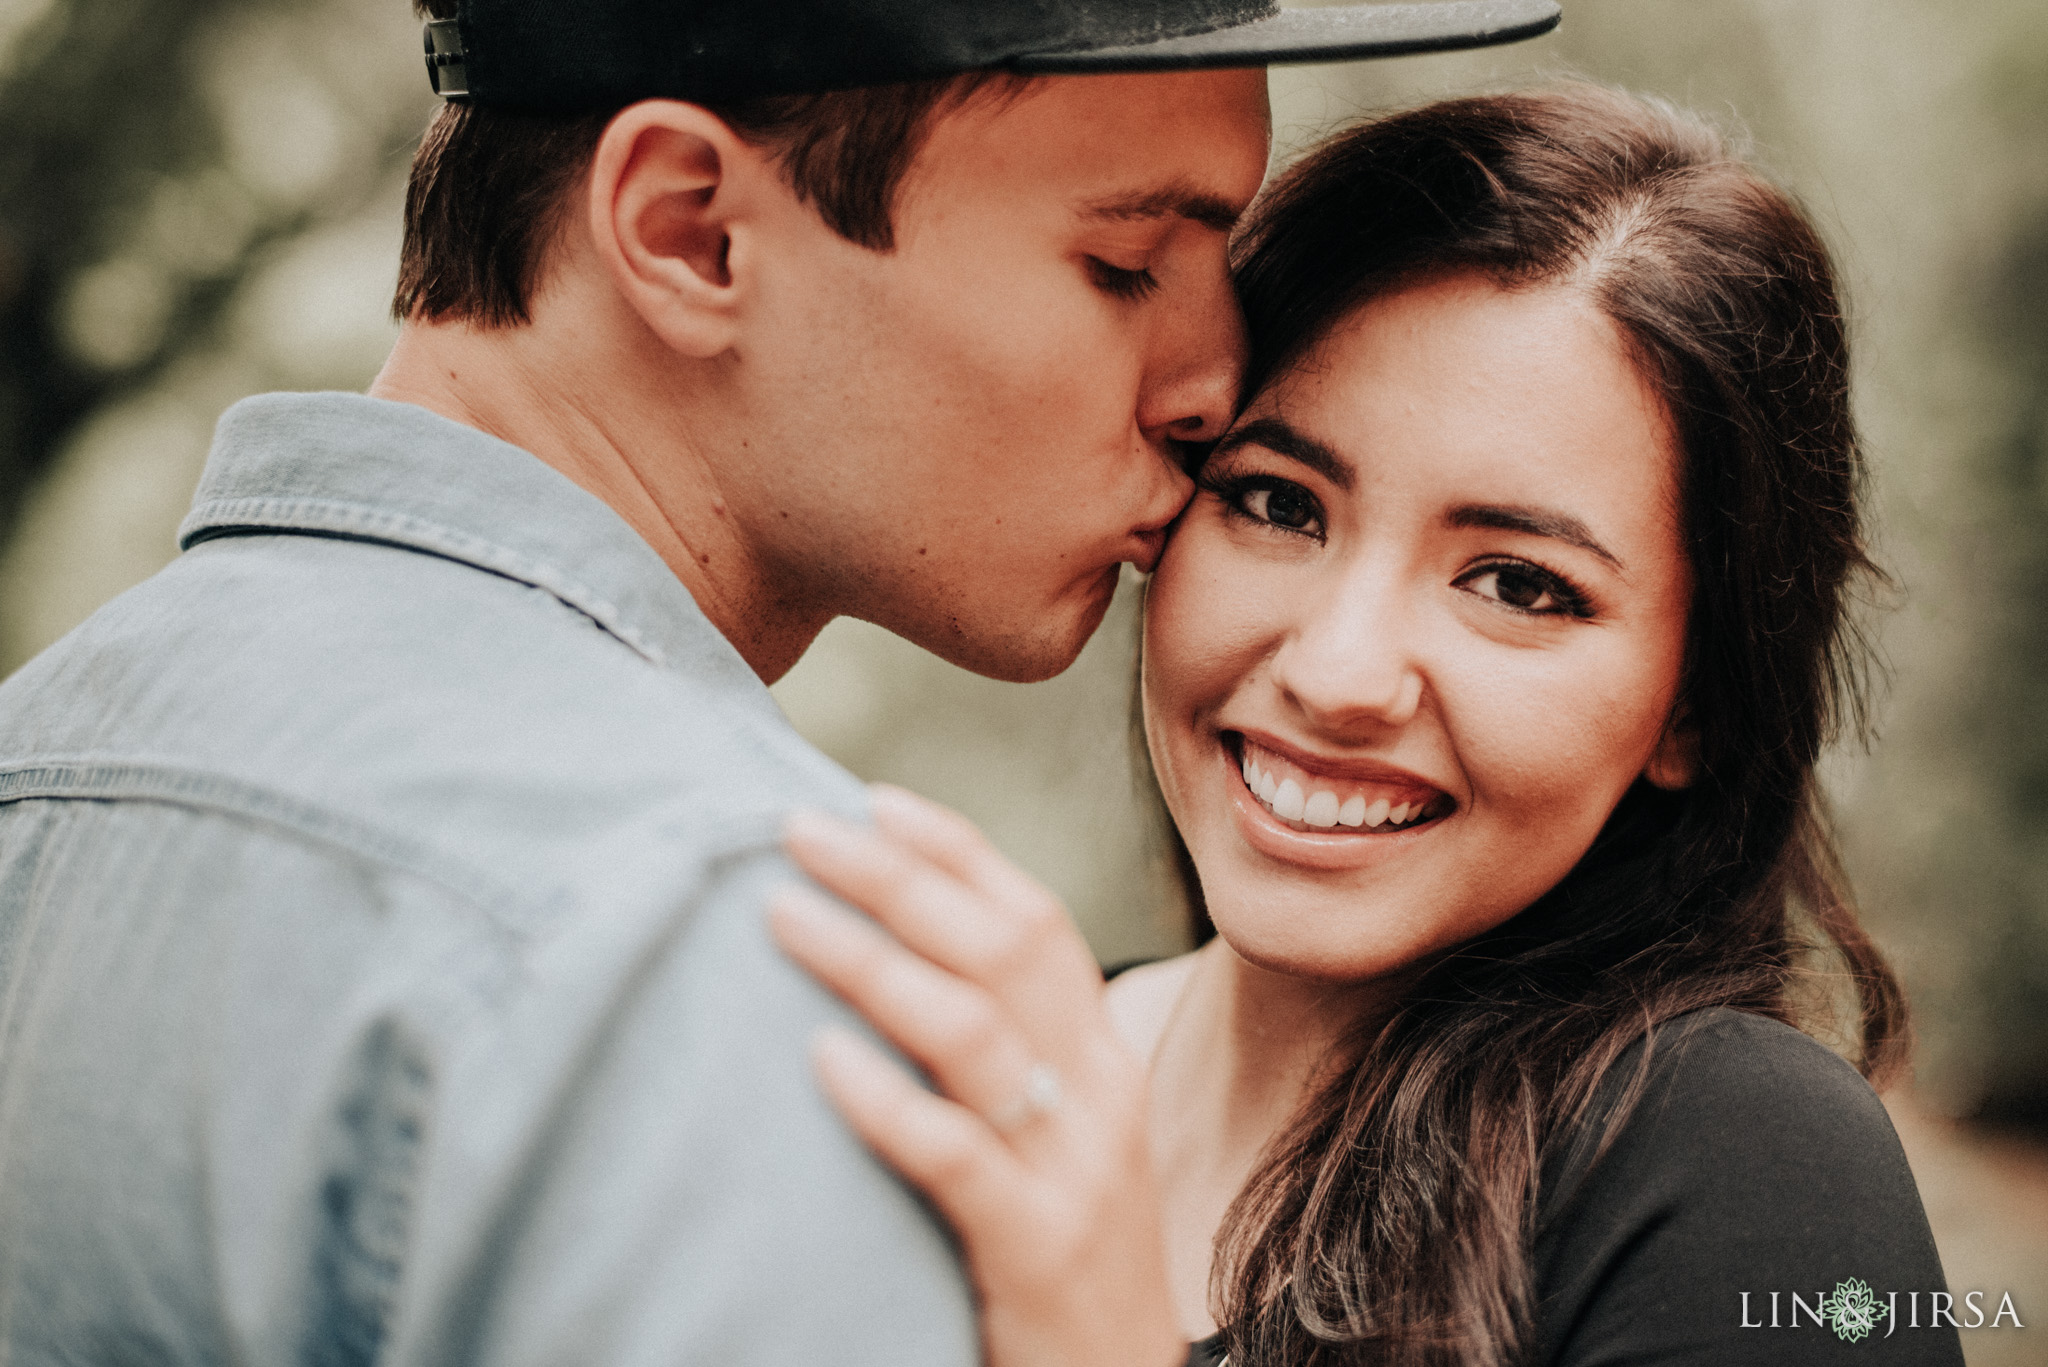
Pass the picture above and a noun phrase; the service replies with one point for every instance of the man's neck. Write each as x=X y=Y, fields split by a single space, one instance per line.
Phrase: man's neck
x=572 y=412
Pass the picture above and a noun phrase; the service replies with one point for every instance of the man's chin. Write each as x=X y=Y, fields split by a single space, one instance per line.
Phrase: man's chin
x=1042 y=647
x=1011 y=658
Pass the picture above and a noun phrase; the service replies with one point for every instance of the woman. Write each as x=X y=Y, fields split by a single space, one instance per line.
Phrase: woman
x=1484 y=681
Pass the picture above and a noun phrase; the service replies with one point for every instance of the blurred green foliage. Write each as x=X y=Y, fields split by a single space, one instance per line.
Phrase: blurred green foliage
x=152 y=152
x=2006 y=730
x=97 y=110
x=2012 y=717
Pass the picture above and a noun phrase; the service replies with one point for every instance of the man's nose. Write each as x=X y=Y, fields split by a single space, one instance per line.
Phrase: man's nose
x=1199 y=362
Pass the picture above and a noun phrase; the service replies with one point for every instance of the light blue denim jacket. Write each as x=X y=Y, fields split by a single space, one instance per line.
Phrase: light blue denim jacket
x=382 y=968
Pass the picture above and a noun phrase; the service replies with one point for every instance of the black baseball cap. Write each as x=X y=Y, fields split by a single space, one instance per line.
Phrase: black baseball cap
x=590 y=55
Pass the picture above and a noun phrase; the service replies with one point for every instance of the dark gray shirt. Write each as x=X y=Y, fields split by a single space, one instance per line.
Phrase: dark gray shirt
x=1756 y=1167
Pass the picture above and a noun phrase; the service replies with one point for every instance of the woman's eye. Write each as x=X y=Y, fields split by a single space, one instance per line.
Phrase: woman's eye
x=1121 y=281
x=1266 y=500
x=1526 y=589
x=1277 y=503
x=1286 y=505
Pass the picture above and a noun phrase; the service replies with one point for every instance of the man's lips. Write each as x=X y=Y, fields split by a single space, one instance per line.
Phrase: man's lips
x=1310 y=792
x=1147 y=548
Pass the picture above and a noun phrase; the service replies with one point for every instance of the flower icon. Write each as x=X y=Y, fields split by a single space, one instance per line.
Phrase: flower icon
x=1852 y=1311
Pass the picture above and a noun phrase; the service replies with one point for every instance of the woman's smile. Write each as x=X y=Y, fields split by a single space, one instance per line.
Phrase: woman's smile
x=1312 y=793
x=1421 y=629
x=1321 y=813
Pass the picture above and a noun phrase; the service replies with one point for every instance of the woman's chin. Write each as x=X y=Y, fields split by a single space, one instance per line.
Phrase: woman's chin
x=1283 y=946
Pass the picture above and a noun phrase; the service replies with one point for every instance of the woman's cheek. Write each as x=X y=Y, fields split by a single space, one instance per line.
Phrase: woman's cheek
x=1207 y=614
x=1562 y=743
x=1209 y=621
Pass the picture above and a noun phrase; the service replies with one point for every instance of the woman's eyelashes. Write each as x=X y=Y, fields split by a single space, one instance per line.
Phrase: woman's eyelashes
x=1269 y=501
x=1121 y=281
x=1526 y=588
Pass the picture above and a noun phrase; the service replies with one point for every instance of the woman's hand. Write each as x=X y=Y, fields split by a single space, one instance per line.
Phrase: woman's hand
x=1036 y=1151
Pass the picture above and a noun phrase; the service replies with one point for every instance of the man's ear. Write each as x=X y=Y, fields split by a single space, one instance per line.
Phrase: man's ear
x=1675 y=763
x=670 y=189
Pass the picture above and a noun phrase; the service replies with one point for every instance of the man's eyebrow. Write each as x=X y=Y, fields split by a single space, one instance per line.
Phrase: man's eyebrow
x=1177 y=200
x=1534 y=522
x=1282 y=440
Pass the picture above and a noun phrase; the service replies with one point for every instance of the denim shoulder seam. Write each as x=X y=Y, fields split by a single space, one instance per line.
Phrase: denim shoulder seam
x=86 y=779
x=284 y=516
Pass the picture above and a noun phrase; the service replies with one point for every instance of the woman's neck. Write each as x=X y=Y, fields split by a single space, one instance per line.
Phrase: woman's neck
x=1236 y=1058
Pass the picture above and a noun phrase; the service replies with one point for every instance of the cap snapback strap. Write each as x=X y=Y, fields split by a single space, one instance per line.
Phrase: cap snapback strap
x=445 y=66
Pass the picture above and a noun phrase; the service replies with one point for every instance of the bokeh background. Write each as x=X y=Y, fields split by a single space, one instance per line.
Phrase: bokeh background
x=199 y=200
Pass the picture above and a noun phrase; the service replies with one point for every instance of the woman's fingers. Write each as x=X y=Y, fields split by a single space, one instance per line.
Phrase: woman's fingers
x=929 y=909
x=949 y=1027
x=1036 y=1152
x=951 y=842
x=955 y=844
x=940 y=1147
x=1020 y=945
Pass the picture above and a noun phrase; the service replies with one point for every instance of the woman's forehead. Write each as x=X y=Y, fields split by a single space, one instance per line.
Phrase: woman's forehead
x=1460 y=387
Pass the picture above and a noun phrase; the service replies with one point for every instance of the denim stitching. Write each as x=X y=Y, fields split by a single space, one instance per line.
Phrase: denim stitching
x=86 y=779
x=283 y=515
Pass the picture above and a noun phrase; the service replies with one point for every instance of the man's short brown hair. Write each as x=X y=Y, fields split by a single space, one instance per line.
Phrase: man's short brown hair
x=490 y=188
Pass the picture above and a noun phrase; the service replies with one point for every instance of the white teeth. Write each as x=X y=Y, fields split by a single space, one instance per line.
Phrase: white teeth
x=1288 y=802
x=1321 y=809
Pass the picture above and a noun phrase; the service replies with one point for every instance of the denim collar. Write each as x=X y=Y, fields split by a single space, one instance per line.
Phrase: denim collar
x=358 y=468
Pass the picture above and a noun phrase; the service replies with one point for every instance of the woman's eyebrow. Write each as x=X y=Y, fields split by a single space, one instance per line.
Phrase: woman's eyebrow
x=1276 y=436
x=1535 y=522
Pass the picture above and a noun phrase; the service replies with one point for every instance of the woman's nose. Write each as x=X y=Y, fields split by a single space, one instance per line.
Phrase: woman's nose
x=1350 y=665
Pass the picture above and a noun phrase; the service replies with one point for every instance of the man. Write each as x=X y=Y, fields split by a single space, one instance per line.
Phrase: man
x=384 y=976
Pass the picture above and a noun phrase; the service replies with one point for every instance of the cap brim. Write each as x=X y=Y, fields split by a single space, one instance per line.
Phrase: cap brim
x=1336 y=34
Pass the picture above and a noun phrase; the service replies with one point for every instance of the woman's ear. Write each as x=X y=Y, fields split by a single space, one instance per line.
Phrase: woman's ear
x=670 y=188
x=1675 y=763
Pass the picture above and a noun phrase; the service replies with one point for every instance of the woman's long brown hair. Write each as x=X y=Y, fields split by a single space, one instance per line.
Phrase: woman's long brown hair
x=1391 y=1222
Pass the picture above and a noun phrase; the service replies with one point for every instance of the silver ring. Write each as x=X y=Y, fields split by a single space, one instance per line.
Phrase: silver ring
x=1040 y=1098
